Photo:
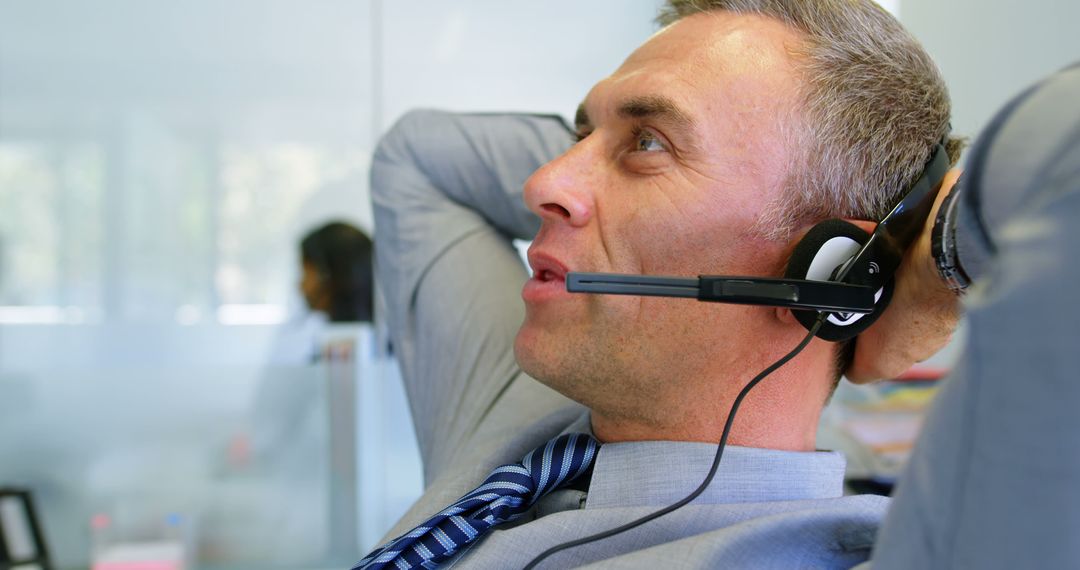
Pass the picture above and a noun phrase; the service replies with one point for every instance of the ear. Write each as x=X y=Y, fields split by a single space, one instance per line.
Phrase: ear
x=822 y=250
x=785 y=315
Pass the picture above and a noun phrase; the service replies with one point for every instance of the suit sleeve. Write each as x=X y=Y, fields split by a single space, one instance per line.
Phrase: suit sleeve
x=992 y=482
x=447 y=192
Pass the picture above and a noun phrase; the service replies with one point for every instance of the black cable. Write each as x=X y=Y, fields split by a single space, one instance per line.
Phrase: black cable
x=712 y=471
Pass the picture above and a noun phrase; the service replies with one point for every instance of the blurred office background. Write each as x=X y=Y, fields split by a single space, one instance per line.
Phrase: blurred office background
x=159 y=162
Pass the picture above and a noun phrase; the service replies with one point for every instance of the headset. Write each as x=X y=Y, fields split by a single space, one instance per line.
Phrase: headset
x=839 y=280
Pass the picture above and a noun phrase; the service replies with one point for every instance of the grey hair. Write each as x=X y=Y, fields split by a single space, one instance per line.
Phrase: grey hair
x=873 y=106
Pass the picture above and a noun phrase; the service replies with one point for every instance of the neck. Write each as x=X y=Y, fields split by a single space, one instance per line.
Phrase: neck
x=781 y=412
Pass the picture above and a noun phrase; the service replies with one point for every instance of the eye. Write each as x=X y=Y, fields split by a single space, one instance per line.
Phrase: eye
x=647 y=141
x=649 y=152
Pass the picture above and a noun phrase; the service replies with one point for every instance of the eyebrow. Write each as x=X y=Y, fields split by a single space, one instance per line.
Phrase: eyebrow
x=657 y=107
x=646 y=107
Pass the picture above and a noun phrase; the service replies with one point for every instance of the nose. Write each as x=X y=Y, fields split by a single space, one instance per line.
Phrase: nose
x=561 y=190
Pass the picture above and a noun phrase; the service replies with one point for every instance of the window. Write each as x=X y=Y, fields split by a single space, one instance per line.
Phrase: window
x=50 y=231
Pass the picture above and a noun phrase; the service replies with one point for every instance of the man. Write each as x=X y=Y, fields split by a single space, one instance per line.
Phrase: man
x=712 y=149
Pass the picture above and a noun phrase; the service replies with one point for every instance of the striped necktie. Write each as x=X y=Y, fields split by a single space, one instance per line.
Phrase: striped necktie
x=509 y=492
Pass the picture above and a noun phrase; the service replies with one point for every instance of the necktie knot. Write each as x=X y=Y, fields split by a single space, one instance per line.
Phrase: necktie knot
x=507 y=493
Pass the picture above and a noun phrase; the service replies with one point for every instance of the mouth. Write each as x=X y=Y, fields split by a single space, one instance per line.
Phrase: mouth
x=546 y=268
x=547 y=275
x=548 y=278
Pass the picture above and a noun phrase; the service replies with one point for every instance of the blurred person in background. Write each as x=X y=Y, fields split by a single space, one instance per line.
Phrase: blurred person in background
x=287 y=440
x=336 y=283
x=337 y=275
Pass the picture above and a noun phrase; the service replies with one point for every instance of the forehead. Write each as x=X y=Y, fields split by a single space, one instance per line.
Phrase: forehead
x=721 y=41
x=729 y=73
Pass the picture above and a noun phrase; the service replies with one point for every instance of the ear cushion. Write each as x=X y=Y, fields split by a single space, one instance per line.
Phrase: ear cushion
x=823 y=249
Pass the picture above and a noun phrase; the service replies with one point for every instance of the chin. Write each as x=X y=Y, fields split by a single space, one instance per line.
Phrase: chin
x=556 y=362
x=541 y=358
x=527 y=351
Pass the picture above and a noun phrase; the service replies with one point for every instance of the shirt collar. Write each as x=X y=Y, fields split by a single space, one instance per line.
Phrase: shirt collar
x=658 y=473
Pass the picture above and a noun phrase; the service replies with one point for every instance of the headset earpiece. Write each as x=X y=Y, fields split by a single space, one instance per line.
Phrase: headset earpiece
x=817 y=257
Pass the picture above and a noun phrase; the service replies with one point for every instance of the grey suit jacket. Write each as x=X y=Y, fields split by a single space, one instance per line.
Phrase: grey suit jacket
x=993 y=481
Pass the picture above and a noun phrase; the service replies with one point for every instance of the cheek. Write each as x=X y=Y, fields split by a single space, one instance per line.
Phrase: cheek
x=677 y=226
x=690 y=245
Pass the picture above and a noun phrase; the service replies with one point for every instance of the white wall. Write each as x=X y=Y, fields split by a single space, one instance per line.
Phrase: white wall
x=492 y=55
x=990 y=51
x=177 y=151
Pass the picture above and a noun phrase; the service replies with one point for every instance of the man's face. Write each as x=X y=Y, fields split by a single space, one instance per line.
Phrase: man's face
x=681 y=150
